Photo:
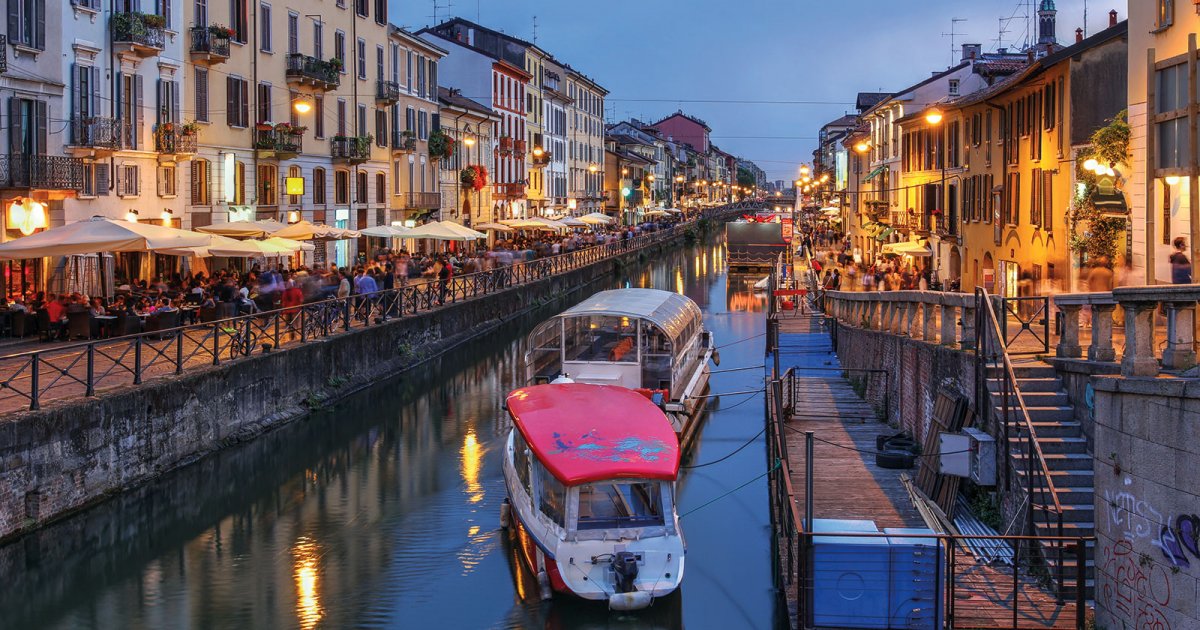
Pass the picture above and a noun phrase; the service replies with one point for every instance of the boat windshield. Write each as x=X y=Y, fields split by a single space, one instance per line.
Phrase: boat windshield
x=609 y=504
x=601 y=338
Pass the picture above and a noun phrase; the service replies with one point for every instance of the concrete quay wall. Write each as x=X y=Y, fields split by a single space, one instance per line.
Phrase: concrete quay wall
x=73 y=453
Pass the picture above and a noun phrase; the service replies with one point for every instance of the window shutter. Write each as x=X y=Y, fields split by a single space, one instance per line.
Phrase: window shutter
x=95 y=85
x=231 y=107
x=77 y=71
x=14 y=22
x=175 y=102
x=121 y=180
x=195 y=177
x=139 y=115
x=41 y=113
x=166 y=11
x=244 y=95
x=159 y=101
x=1048 y=200
x=14 y=125
x=39 y=29
x=102 y=183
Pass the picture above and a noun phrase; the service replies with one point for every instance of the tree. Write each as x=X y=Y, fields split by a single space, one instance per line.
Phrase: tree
x=746 y=178
x=1092 y=233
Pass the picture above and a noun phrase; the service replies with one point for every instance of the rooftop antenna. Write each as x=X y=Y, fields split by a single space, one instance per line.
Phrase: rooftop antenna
x=952 y=35
x=535 y=29
x=1003 y=30
x=1085 y=19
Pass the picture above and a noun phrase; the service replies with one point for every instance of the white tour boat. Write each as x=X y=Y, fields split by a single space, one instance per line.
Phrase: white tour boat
x=644 y=339
x=590 y=472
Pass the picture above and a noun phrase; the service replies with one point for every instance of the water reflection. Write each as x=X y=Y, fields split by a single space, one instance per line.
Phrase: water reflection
x=382 y=512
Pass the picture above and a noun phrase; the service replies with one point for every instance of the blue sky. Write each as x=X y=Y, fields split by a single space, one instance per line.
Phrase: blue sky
x=807 y=58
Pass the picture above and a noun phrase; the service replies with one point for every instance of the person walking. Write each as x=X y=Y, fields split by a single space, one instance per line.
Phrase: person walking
x=1181 y=267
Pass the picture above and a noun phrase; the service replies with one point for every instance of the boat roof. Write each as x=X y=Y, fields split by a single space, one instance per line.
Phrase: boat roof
x=669 y=311
x=586 y=433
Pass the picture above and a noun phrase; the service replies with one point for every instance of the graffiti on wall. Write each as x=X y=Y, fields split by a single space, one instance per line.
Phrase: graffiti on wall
x=1136 y=590
x=1133 y=519
x=1178 y=536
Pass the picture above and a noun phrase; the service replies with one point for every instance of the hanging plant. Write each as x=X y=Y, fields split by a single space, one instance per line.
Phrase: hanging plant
x=1093 y=233
x=440 y=145
x=221 y=32
x=474 y=176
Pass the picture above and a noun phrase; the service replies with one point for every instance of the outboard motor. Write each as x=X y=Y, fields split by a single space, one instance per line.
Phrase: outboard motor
x=625 y=568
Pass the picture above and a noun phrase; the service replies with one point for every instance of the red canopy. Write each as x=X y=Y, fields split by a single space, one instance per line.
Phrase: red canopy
x=585 y=433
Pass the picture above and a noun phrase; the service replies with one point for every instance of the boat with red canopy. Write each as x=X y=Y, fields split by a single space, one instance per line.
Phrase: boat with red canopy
x=590 y=472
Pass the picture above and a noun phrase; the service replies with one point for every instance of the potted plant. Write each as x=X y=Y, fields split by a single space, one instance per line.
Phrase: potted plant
x=441 y=145
x=151 y=20
x=220 y=31
x=264 y=125
x=335 y=63
x=190 y=129
x=474 y=176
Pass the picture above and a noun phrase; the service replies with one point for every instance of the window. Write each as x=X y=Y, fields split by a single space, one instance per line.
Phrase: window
x=318 y=39
x=1171 y=104
x=265 y=184
x=620 y=504
x=239 y=14
x=360 y=7
x=381 y=11
x=27 y=23
x=394 y=53
x=201 y=178
x=237 y=107
x=166 y=180
x=341 y=187
x=432 y=93
x=361 y=187
x=361 y=58
x=341 y=117
x=552 y=496
x=293 y=33
x=293 y=115
x=200 y=12
x=379 y=74
x=1035 y=197
x=362 y=121
x=294 y=171
x=1047 y=200
x=264 y=22
x=408 y=56
x=953 y=87
x=89 y=180
x=1012 y=199
x=380 y=188
x=381 y=127
x=128 y=180
x=1166 y=213
x=410 y=119
x=423 y=125
x=420 y=75
x=201 y=93
x=319 y=186
x=1164 y=15
x=264 y=102
x=319 y=116
x=339 y=48
x=1049 y=110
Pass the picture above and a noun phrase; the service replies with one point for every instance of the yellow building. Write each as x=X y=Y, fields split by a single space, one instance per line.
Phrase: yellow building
x=415 y=120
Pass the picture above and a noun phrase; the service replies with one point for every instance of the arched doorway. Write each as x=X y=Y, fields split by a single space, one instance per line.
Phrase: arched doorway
x=955 y=271
x=989 y=273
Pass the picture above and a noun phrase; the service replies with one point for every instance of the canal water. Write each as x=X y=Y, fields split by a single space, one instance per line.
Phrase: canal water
x=383 y=511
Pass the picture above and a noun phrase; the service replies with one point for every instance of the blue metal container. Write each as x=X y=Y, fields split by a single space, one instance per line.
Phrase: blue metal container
x=850 y=576
x=917 y=590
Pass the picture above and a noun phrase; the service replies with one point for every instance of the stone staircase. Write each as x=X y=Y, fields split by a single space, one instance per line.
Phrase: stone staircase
x=1067 y=459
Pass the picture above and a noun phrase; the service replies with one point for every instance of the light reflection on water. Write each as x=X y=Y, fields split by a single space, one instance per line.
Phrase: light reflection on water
x=383 y=512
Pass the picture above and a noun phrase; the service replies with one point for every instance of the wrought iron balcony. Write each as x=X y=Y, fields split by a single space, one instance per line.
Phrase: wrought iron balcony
x=270 y=143
x=420 y=200
x=97 y=134
x=514 y=190
x=41 y=172
x=352 y=149
x=210 y=44
x=404 y=142
x=387 y=92
x=138 y=33
x=308 y=70
x=3 y=54
x=506 y=144
x=540 y=161
x=173 y=139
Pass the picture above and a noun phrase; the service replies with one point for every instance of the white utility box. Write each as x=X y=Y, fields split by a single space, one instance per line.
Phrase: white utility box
x=983 y=457
x=954 y=454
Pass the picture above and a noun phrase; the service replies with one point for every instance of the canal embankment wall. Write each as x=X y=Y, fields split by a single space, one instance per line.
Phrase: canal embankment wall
x=73 y=453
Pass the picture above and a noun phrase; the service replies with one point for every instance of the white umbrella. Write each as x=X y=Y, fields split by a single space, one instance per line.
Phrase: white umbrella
x=214 y=240
x=100 y=234
x=572 y=222
x=252 y=249
x=306 y=231
x=385 y=231
x=655 y=213
x=445 y=231
x=674 y=210
x=596 y=218
x=244 y=229
x=290 y=245
x=494 y=227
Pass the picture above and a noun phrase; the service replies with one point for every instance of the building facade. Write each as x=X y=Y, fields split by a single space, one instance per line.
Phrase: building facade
x=585 y=154
x=472 y=125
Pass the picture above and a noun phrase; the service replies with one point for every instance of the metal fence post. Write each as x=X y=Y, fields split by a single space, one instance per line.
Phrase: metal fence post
x=91 y=370
x=303 y=327
x=178 y=352
x=346 y=314
x=1080 y=585
x=34 y=403
x=137 y=360
x=216 y=344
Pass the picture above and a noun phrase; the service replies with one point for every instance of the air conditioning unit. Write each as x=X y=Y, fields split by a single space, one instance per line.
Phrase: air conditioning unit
x=970 y=454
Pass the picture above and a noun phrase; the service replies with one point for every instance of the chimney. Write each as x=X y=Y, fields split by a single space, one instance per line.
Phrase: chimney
x=1112 y=18
x=1029 y=55
x=1002 y=51
x=970 y=52
x=1078 y=35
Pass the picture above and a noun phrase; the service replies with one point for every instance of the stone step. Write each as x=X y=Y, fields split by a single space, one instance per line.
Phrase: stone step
x=1062 y=444
x=1070 y=529
x=1059 y=461
x=1038 y=370
x=1045 y=399
x=1028 y=385
x=1081 y=513
x=1068 y=478
x=1075 y=495
x=1051 y=413
x=1057 y=429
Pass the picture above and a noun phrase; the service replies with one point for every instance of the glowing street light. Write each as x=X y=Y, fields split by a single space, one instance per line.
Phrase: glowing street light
x=933 y=116
x=862 y=146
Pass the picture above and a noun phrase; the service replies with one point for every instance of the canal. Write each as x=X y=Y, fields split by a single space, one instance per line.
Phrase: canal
x=383 y=510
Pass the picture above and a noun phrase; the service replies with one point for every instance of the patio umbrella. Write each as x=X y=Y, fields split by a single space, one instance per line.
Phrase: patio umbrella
x=655 y=213
x=445 y=231
x=290 y=245
x=214 y=240
x=100 y=234
x=385 y=231
x=494 y=227
x=252 y=249
x=306 y=231
x=243 y=229
x=596 y=218
x=572 y=222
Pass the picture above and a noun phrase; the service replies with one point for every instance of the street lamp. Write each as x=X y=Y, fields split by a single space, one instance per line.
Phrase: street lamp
x=804 y=170
x=862 y=146
x=933 y=116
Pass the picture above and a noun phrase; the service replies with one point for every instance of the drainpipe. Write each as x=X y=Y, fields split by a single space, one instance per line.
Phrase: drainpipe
x=254 y=77
x=112 y=93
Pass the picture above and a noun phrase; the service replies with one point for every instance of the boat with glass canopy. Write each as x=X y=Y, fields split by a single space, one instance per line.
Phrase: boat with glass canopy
x=590 y=472
x=647 y=340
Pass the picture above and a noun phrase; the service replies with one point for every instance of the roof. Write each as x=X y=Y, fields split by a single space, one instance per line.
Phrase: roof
x=586 y=433
x=935 y=77
x=669 y=311
x=680 y=114
x=453 y=98
x=866 y=100
x=849 y=120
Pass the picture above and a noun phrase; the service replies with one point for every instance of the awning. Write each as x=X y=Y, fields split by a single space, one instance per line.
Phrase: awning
x=907 y=249
x=875 y=173
x=1110 y=204
x=884 y=233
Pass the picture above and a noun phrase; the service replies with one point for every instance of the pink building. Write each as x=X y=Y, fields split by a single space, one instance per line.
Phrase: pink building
x=680 y=127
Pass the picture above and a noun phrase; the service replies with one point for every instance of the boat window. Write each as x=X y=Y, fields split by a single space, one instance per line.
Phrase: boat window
x=544 y=350
x=656 y=358
x=601 y=338
x=608 y=505
x=521 y=461
x=552 y=498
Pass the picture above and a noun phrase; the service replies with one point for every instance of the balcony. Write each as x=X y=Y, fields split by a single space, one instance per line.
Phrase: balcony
x=173 y=139
x=519 y=147
x=308 y=70
x=509 y=191
x=139 y=34
x=41 y=172
x=210 y=45
x=276 y=144
x=3 y=54
x=404 y=142
x=540 y=161
x=351 y=149
x=387 y=92
x=96 y=136
x=506 y=145
x=419 y=200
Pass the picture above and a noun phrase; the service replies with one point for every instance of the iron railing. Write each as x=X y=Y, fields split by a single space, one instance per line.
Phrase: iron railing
x=999 y=397
x=1031 y=317
x=309 y=69
x=350 y=148
x=137 y=28
x=204 y=41
x=387 y=91
x=280 y=142
x=27 y=379
x=171 y=140
x=404 y=141
x=41 y=172
x=420 y=200
x=98 y=132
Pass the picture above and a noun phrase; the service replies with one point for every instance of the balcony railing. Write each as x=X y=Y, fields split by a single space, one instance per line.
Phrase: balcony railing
x=170 y=139
x=519 y=147
x=97 y=132
x=506 y=144
x=3 y=54
x=141 y=32
x=278 y=144
x=509 y=191
x=540 y=161
x=307 y=69
x=404 y=142
x=41 y=172
x=354 y=149
x=208 y=45
x=387 y=91
x=420 y=200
